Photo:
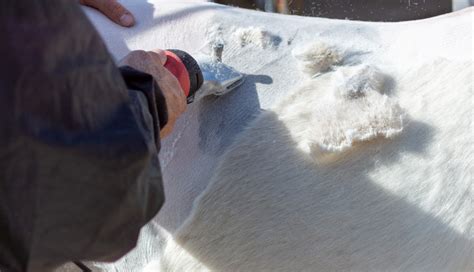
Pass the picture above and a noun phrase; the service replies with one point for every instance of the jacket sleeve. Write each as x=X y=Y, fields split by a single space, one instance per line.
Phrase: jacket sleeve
x=79 y=171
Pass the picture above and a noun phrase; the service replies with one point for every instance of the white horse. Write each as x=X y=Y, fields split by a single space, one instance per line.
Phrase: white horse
x=366 y=165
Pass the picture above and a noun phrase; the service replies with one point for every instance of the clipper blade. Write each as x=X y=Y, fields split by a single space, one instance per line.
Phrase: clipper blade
x=219 y=78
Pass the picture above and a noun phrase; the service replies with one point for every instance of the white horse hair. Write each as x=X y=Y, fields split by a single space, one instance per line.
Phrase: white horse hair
x=349 y=146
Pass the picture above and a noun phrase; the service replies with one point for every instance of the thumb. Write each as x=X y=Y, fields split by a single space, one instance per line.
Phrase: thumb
x=112 y=9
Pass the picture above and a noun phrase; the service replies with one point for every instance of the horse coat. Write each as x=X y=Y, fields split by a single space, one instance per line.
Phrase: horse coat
x=364 y=163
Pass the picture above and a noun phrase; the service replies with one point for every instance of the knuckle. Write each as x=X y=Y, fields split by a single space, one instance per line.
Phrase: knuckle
x=140 y=54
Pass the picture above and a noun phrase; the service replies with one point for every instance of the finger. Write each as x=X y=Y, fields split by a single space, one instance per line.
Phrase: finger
x=112 y=9
x=159 y=55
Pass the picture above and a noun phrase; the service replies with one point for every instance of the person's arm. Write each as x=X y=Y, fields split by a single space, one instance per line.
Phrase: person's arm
x=79 y=171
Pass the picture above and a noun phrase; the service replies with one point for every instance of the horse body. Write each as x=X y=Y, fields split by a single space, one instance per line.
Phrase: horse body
x=423 y=175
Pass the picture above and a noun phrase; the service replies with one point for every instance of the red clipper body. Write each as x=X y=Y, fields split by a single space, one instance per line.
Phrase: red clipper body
x=186 y=69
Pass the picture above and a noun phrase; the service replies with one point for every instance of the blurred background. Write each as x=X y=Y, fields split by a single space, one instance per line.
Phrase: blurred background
x=365 y=10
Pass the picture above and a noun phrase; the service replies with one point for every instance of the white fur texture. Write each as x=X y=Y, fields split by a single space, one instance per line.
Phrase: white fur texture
x=332 y=112
x=398 y=204
x=256 y=36
x=403 y=204
x=316 y=57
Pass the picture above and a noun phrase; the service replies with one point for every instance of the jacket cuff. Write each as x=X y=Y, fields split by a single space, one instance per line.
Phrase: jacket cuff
x=143 y=82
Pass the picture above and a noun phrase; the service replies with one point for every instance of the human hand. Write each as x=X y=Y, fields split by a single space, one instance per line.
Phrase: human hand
x=151 y=62
x=112 y=9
